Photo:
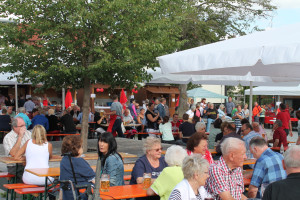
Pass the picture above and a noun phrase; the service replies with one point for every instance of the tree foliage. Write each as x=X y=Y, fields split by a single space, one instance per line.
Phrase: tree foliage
x=58 y=43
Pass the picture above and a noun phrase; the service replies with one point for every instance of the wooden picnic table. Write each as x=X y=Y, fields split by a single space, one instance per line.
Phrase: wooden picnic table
x=124 y=192
x=249 y=161
x=57 y=158
x=278 y=148
x=125 y=125
x=212 y=151
x=55 y=171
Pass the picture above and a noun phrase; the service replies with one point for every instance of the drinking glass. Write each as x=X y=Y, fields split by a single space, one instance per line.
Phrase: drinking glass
x=104 y=183
x=147 y=180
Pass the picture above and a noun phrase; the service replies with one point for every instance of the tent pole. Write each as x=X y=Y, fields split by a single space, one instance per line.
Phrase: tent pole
x=63 y=98
x=16 y=96
x=250 y=103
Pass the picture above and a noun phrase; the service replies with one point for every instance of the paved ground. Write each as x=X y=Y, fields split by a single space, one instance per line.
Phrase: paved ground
x=124 y=145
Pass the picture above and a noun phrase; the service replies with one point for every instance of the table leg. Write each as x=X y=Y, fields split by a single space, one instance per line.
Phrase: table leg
x=46 y=188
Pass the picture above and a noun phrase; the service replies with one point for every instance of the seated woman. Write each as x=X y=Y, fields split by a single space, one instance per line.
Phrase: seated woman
x=165 y=128
x=152 y=162
x=200 y=127
x=152 y=119
x=37 y=153
x=195 y=172
x=171 y=175
x=83 y=172
x=197 y=144
x=111 y=160
x=53 y=121
x=141 y=120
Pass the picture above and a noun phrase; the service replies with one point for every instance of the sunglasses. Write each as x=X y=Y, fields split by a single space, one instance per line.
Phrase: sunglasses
x=157 y=150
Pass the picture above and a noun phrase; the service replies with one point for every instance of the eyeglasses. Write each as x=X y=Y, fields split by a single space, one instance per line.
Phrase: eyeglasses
x=157 y=150
x=21 y=125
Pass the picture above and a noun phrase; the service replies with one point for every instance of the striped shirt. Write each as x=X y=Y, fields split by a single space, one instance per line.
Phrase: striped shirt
x=176 y=195
x=11 y=138
x=222 y=179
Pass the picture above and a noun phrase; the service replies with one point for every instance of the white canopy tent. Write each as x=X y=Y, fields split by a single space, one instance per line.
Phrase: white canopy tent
x=274 y=53
x=247 y=80
x=265 y=90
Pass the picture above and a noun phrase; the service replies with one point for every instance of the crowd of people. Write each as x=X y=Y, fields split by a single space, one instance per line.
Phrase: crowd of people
x=184 y=173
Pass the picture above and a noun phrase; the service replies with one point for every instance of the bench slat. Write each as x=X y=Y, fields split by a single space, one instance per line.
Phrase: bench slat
x=6 y=175
x=18 y=186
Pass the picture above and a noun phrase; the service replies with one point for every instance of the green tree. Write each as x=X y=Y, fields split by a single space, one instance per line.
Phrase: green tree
x=210 y=21
x=77 y=43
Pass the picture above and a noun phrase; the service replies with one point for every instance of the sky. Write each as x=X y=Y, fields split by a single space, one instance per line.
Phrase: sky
x=288 y=12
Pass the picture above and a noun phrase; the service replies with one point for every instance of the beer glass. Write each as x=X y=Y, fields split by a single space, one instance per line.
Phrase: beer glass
x=147 y=180
x=104 y=183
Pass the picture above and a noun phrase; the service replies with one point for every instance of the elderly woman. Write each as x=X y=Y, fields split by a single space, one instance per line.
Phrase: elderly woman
x=197 y=144
x=72 y=145
x=200 y=127
x=152 y=162
x=195 y=172
x=222 y=115
x=171 y=175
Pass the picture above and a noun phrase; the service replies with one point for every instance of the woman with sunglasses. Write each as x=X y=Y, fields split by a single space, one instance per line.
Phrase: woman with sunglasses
x=111 y=160
x=152 y=162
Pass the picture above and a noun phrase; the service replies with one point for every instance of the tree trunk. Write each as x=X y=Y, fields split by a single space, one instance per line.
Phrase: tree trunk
x=183 y=105
x=85 y=113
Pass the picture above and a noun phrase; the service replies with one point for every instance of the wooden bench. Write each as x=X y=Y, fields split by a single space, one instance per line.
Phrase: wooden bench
x=127 y=177
x=36 y=191
x=8 y=176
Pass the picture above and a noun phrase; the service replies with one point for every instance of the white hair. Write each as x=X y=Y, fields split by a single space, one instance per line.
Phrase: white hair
x=199 y=125
x=175 y=155
x=193 y=108
x=292 y=157
x=149 y=143
x=194 y=164
x=230 y=144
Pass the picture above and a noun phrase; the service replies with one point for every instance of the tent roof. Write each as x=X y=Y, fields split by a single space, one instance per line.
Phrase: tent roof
x=265 y=90
x=202 y=93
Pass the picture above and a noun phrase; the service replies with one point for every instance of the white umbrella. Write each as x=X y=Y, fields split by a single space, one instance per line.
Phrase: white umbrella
x=274 y=53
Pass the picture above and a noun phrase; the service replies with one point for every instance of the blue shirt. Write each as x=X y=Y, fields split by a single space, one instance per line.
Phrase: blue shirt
x=142 y=165
x=42 y=120
x=83 y=172
x=267 y=169
x=79 y=117
x=247 y=139
x=29 y=105
x=25 y=118
x=161 y=110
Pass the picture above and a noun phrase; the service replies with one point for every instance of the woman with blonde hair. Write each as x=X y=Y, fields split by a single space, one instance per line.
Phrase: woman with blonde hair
x=152 y=162
x=37 y=153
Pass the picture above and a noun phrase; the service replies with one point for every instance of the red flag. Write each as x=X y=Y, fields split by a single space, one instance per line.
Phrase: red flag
x=177 y=101
x=123 y=99
x=68 y=99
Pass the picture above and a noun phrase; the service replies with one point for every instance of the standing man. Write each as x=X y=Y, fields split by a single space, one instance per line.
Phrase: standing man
x=161 y=108
x=115 y=117
x=288 y=188
x=229 y=106
x=268 y=167
x=13 y=141
x=285 y=118
x=29 y=105
x=256 y=112
x=226 y=175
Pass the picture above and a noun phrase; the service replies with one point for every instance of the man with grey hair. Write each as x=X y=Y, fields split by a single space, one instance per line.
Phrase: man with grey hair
x=200 y=127
x=288 y=188
x=191 y=112
x=268 y=167
x=22 y=114
x=279 y=136
x=225 y=176
x=14 y=140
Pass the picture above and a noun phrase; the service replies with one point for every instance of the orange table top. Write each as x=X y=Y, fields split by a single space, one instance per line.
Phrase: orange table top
x=249 y=161
x=278 y=148
x=212 y=151
x=55 y=171
x=57 y=158
x=124 y=192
